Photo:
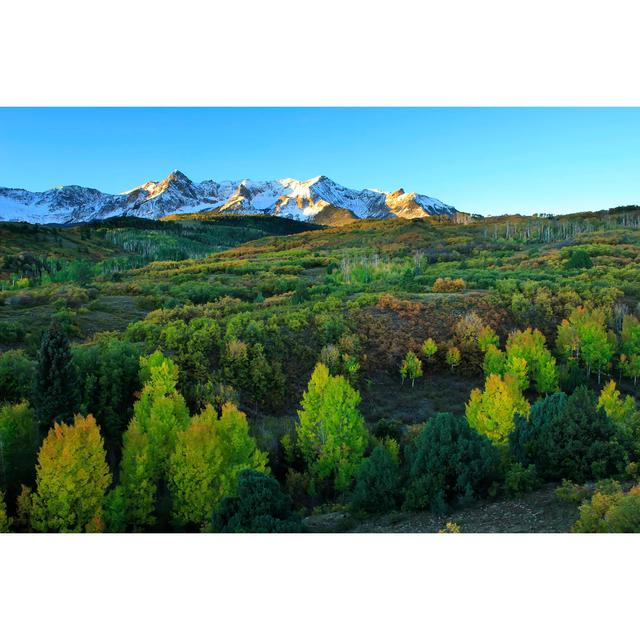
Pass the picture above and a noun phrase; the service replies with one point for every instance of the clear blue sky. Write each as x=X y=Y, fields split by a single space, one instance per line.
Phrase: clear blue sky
x=487 y=161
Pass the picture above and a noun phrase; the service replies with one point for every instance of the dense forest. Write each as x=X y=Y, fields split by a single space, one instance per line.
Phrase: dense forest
x=255 y=374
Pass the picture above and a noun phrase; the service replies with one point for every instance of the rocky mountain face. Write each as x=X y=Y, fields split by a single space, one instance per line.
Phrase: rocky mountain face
x=319 y=200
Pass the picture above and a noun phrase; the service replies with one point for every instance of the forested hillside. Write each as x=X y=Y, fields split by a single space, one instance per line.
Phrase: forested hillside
x=256 y=373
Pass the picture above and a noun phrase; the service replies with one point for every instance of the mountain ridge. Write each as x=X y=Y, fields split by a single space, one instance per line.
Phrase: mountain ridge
x=319 y=197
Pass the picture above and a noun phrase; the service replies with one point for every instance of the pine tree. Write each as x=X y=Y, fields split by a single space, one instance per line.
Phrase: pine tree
x=56 y=394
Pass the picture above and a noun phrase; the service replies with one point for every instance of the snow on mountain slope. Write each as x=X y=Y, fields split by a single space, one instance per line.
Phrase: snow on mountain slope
x=304 y=200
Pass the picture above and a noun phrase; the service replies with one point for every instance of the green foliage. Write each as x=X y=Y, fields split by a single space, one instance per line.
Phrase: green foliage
x=579 y=259
x=108 y=375
x=330 y=432
x=529 y=345
x=610 y=511
x=71 y=479
x=411 y=367
x=630 y=347
x=494 y=361
x=377 y=482
x=493 y=411
x=206 y=462
x=519 y=479
x=571 y=492
x=158 y=416
x=429 y=348
x=448 y=463
x=487 y=338
x=19 y=441
x=16 y=376
x=257 y=506
x=569 y=438
x=56 y=396
x=453 y=357
x=584 y=336
x=5 y=520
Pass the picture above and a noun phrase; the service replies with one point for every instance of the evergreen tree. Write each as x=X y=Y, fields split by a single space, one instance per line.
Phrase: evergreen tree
x=258 y=505
x=377 y=482
x=570 y=439
x=56 y=395
x=448 y=463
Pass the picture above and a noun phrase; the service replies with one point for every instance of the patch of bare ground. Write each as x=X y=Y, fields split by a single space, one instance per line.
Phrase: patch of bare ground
x=536 y=512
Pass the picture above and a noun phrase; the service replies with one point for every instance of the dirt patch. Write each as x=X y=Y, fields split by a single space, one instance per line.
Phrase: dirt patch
x=536 y=512
x=383 y=396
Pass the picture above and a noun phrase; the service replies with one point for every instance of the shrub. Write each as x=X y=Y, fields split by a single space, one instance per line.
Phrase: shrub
x=571 y=492
x=610 y=511
x=377 y=481
x=388 y=428
x=520 y=479
x=569 y=438
x=258 y=506
x=448 y=285
x=448 y=462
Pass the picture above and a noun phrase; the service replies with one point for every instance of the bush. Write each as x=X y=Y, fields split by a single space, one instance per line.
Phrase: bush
x=610 y=511
x=519 y=479
x=448 y=463
x=377 y=481
x=569 y=438
x=258 y=506
x=571 y=492
x=11 y=332
x=448 y=285
x=388 y=428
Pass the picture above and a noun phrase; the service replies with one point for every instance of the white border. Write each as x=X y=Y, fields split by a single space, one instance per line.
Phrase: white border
x=335 y=52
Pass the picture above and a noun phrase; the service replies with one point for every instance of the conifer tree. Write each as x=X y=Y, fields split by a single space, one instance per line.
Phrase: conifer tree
x=56 y=394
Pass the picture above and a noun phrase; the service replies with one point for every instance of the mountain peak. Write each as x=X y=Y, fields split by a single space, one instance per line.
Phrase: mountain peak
x=177 y=175
x=299 y=199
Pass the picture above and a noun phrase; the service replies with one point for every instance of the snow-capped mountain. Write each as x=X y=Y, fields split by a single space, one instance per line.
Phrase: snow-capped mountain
x=319 y=199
